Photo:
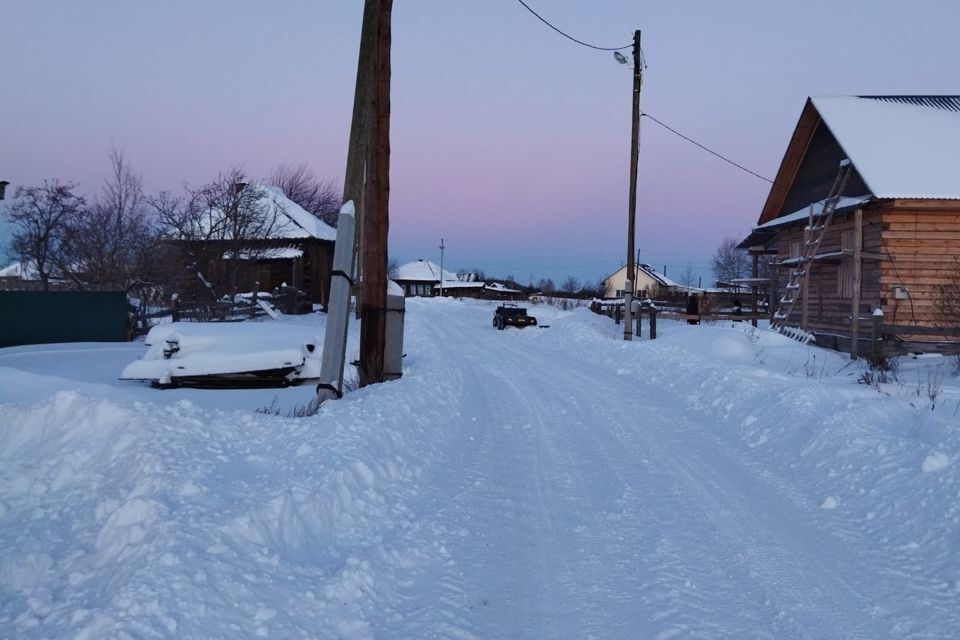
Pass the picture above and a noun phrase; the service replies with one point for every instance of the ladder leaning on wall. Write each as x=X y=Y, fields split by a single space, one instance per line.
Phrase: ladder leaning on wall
x=813 y=235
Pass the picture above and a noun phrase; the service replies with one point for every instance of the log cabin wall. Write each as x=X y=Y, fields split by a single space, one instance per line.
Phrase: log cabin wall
x=924 y=237
x=318 y=266
x=831 y=280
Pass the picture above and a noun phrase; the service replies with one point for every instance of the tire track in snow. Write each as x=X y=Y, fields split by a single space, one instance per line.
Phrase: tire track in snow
x=595 y=519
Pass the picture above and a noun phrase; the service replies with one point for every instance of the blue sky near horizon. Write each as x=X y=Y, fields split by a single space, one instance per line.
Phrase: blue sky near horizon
x=508 y=141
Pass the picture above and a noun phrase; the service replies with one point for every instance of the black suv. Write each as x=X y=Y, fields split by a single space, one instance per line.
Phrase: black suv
x=511 y=314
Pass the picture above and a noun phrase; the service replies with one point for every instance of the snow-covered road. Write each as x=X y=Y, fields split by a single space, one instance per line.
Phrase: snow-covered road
x=585 y=504
x=543 y=483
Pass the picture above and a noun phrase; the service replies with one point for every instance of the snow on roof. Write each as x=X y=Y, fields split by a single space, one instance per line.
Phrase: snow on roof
x=271 y=253
x=502 y=288
x=459 y=284
x=656 y=275
x=288 y=219
x=649 y=271
x=22 y=270
x=802 y=214
x=293 y=220
x=422 y=271
x=902 y=147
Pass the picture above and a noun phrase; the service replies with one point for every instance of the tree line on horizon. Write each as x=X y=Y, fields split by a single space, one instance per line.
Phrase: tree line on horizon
x=116 y=239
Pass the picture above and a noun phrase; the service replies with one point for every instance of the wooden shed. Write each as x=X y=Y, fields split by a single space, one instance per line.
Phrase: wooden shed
x=292 y=247
x=893 y=243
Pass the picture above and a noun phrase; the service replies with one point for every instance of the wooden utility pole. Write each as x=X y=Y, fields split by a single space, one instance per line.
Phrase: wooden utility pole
x=754 y=274
x=357 y=151
x=632 y=209
x=373 y=306
x=441 y=266
x=345 y=277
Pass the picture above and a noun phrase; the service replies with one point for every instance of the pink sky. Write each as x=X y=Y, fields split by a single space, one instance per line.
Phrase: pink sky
x=509 y=142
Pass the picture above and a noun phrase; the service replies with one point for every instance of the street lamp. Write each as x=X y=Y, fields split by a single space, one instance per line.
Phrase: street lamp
x=3 y=188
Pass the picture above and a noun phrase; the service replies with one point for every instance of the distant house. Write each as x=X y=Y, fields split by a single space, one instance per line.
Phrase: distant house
x=647 y=283
x=895 y=235
x=297 y=249
x=419 y=277
x=21 y=276
x=20 y=270
x=460 y=289
x=500 y=291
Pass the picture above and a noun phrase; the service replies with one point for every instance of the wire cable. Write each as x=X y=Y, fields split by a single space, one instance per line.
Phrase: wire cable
x=568 y=36
x=707 y=149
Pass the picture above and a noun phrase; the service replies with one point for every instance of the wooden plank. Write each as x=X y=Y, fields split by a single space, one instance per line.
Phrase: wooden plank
x=953 y=225
x=805 y=279
x=857 y=281
x=920 y=331
x=911 y=242
x=922 y=235
x=926 y=203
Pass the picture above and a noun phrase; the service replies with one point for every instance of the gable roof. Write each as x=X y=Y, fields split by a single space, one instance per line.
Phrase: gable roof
x=649 y=271
x=900 y=146
x=422 y=271
x=285 y=218
x=293 y=221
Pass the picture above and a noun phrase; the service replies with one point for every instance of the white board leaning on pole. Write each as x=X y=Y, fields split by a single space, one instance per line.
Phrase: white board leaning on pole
x=338 y=309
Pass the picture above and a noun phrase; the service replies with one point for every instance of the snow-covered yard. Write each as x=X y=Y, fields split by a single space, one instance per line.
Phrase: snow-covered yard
x=552 y=483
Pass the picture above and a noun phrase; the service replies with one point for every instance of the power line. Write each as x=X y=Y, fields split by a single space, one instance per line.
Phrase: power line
x=568 y=36
x=705 y=148
x=644 y=64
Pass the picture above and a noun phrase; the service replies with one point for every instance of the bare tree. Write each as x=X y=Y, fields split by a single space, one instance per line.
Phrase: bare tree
x=687 y=277
x=41 y=216
x=947 y=296
x=594 y=289
x=730 y=263
x=546 y=285
x=322 y=198
x=222 y=228
x=111 y=245
x=570 y=285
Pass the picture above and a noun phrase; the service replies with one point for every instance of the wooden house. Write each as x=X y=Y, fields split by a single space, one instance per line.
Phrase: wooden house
x=894 y=239
x=420 y=277
x=647 y=283
x=292 y=247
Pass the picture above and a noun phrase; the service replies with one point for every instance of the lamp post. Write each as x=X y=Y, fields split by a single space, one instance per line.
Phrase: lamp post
x=3 y=189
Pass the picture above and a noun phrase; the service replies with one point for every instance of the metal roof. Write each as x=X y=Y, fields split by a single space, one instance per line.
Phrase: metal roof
x=947 y=103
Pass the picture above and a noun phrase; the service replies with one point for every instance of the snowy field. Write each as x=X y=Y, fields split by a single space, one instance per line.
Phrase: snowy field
x=543 y=483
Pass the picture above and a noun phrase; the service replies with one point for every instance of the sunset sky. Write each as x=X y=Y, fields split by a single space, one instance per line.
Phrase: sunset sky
x=509 y=142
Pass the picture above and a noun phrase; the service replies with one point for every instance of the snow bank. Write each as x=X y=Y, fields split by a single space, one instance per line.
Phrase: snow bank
x=178 y=522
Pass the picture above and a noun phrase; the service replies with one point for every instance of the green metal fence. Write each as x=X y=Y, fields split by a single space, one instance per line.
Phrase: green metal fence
x=34 y=317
